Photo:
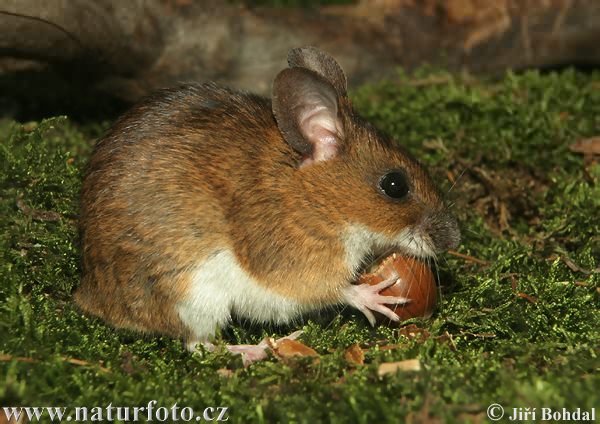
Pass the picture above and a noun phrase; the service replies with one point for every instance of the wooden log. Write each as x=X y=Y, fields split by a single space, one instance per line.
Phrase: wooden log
x=131 y=48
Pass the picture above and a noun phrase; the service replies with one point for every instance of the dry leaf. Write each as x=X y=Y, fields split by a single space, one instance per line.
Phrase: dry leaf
x=393 y=346
x=287 y=348
x=564 y=115
x=224 y=372
x=37 y=214
x=393 y=367
x=127 y=362
x=413 y=332
x=589 y=146
x=354 y=355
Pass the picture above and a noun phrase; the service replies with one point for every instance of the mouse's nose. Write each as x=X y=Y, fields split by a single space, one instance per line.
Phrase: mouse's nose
x=443 y=230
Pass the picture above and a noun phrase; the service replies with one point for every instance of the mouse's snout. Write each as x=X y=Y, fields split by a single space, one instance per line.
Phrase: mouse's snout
x=442 y=229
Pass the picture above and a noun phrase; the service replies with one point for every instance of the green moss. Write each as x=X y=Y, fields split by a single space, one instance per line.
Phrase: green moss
x=523 y=329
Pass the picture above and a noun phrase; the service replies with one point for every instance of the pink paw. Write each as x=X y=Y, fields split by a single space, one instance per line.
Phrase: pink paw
x=258 y=352
x=250 y=353
x=366 y=298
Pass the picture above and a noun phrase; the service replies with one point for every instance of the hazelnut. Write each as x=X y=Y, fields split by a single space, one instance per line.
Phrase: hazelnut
x=416 y=282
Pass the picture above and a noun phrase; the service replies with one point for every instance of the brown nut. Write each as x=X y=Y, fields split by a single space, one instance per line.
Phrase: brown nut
x=416 y=283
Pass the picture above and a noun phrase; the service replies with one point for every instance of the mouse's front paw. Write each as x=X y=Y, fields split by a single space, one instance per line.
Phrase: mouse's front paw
x=366 y=298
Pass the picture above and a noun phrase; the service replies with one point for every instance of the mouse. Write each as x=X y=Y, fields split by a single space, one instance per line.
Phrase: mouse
x=203 y=203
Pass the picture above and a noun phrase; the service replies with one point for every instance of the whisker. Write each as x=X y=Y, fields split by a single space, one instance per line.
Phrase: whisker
x=473 y=232
x=438 y=279
x=456 y=180
x=446 y=260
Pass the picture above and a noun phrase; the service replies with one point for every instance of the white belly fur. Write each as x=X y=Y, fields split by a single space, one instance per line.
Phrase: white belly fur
x=220 y=288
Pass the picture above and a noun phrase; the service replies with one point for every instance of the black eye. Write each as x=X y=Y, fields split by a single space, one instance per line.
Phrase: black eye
x=394 y=185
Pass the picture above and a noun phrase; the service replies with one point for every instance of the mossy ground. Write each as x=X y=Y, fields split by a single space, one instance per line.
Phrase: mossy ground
x=519 y=327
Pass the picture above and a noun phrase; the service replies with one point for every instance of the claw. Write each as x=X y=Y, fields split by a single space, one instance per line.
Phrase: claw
x=367 y=313
x=387 y=312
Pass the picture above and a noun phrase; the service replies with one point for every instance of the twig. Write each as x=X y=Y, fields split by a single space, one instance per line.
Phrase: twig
x=8 y=358
x=481 y=335
x=468 y=257
x=575 y=267
x=82 y=363
x=575 y=283
x=528 y=297
x=73 y=361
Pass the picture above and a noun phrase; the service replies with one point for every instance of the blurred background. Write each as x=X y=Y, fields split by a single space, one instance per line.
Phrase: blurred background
x=85 y=57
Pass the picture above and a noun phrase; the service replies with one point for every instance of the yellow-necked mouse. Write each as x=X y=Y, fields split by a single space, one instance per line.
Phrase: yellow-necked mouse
x=202 y=202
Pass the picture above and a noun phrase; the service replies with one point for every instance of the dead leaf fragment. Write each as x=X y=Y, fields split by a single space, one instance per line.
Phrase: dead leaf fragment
x=412 y=332
x=393 y=367
x=587 y=146
x=224 y=372
x=127 y=362
x=37 y=214
x=354 y=355
x=130 y=363
x=393 y=346
x=287 y=348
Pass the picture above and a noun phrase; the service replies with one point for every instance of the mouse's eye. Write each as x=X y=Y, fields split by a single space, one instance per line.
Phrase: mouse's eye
x=394 y=185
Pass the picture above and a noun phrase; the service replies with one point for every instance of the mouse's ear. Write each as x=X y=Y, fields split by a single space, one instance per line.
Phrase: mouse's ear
x=306 y=109
x=320 y=62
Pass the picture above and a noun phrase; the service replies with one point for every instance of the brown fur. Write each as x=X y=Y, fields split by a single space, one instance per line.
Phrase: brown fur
x=199 y=168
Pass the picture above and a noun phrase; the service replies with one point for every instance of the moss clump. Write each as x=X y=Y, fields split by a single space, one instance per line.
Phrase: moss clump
x=517 y=325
